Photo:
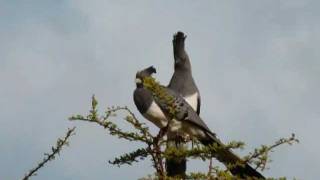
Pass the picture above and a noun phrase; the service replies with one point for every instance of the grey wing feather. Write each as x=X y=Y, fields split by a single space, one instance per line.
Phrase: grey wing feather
x=185 y=112
x=142 y=99
x=198 y=104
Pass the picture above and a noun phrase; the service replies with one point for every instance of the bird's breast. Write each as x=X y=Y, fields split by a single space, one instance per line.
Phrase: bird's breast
x=156 y=115
x=192 y=100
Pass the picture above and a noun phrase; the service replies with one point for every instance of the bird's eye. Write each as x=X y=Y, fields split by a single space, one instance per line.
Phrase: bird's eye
x=138 y=81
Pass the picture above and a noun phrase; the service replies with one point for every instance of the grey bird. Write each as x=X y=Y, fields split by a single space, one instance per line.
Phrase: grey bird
x=144 y=101
x=185 y=121
x=182 y=82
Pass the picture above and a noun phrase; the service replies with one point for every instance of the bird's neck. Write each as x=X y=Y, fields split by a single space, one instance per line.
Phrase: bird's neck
x=184 y=67
x=181 y=80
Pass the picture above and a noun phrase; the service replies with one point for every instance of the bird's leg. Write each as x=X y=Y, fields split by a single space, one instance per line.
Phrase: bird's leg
x=162 y=132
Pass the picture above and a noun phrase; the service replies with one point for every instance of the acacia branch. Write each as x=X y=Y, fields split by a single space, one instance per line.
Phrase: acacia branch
x=143 y=135
x=260 y=155
x=93 y=117
x=155 y=143
x=131 y=157
x=48 y=157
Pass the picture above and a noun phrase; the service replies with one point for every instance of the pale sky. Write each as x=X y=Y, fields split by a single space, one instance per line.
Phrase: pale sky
x=256 y=64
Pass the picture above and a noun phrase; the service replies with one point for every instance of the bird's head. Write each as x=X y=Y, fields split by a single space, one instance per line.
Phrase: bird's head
x=181 y=60
x=144 y=73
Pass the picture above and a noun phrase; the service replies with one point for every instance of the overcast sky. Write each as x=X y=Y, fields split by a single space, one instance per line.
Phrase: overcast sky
x=256 y=64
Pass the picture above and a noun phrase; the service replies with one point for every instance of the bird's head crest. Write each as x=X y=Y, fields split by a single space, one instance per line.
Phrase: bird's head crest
x=144 y=73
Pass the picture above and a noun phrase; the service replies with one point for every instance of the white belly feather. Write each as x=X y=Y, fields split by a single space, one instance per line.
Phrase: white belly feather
x=156 y=116
x=192 y=100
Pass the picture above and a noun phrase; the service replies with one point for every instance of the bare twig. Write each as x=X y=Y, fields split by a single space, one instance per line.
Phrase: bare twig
x=142 y=134
x=260 y=155
x=113 y=129
x=48 y=157
x=131 y=157
x=156 y=143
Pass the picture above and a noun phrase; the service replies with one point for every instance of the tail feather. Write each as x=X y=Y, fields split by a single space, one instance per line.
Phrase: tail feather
x=176 y=167
x=227 y=157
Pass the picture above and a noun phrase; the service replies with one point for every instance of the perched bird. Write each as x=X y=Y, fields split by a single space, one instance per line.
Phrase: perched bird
x=144 y=101
x=182 y=83
x=184 y=121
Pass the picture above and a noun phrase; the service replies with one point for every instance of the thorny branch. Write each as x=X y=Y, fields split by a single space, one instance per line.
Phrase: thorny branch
x=104 y=121
x=48 y=157
x=154 y=143
x=260 y=157
x=128 y=158
x=143 y=135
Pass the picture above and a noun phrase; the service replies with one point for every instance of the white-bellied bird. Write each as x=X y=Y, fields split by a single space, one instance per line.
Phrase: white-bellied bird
x=185 y=121
x=183 y=83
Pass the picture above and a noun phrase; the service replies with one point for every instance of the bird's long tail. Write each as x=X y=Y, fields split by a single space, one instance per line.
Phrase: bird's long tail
x=236 y=165
x=176 y=167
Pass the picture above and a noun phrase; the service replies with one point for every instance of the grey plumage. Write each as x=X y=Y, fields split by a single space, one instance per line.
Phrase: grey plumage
x=187 y=121
x=182 y=80
x=142 y=97
x=183 y=83
x=144 y=101
x=190 y=123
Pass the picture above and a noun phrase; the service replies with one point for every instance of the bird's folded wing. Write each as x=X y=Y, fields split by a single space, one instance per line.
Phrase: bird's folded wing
x=184 y=112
